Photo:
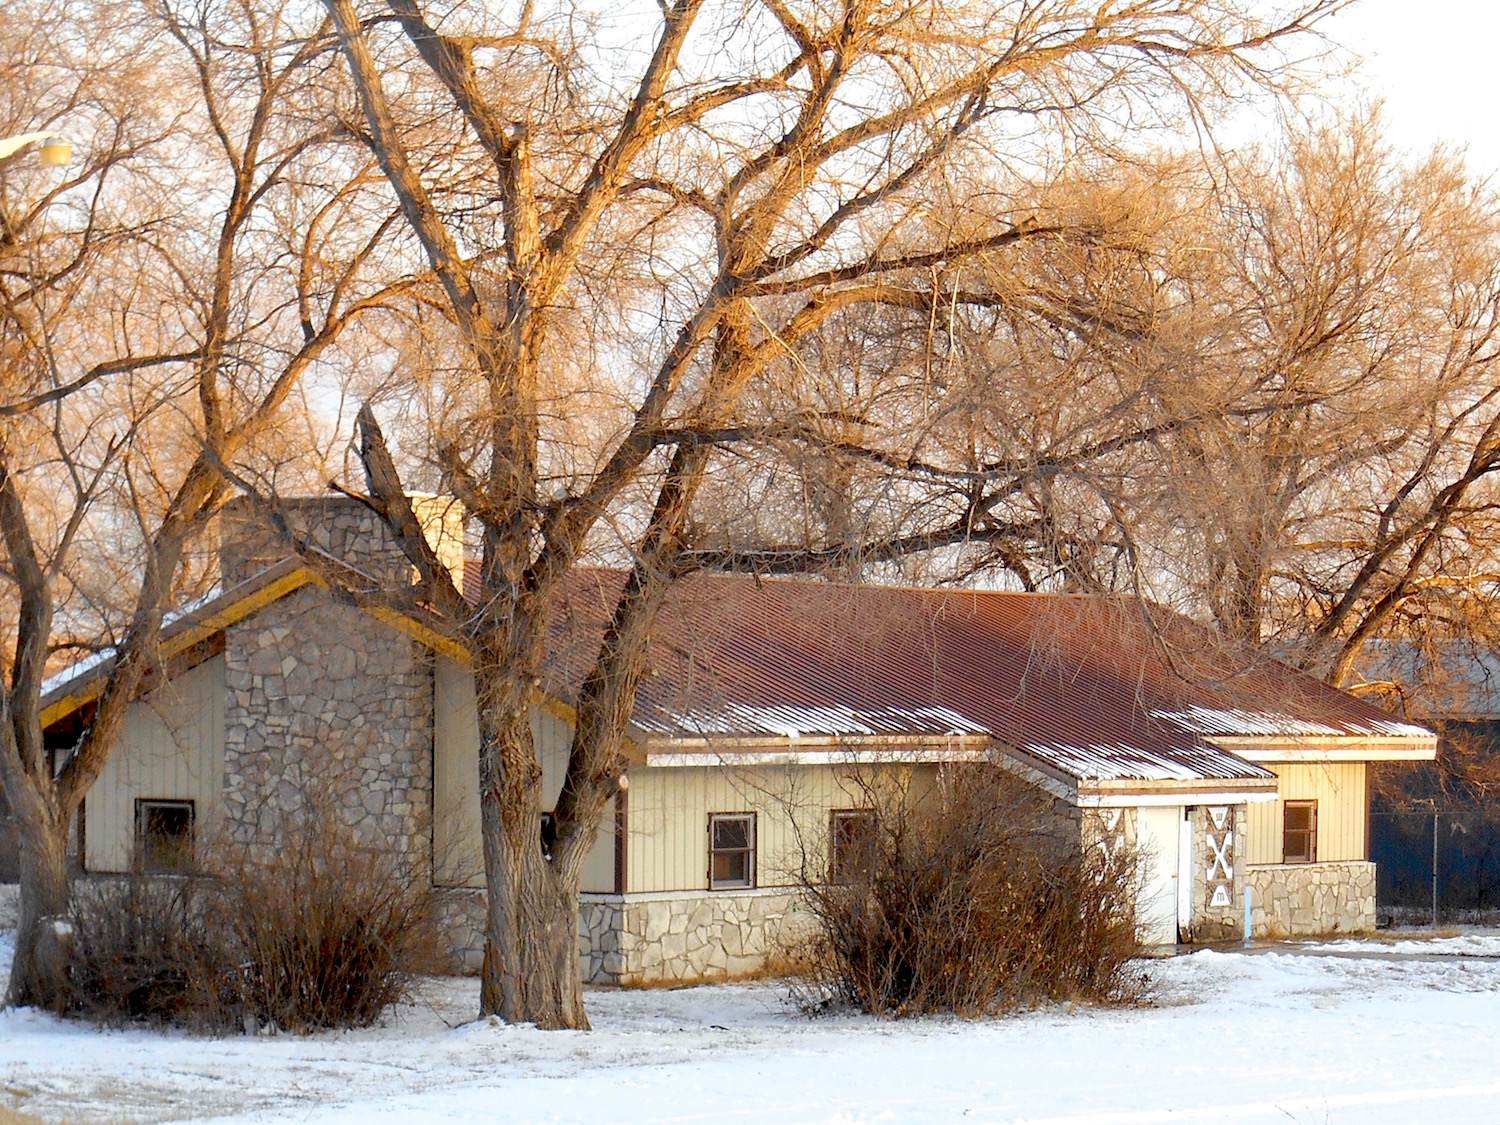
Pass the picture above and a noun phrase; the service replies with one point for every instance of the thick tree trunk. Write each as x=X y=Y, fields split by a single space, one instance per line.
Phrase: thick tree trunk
x=38 y=972
x=531 y=971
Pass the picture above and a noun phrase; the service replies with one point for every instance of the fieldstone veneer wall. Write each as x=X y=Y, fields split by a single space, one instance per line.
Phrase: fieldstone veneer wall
x=326 y=702
x=460 y=928
x=1220 y=875
x=1288 y=899
x=686 y=935
x=651 y=938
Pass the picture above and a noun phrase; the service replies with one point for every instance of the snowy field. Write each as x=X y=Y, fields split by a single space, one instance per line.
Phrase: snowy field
x=1350 y=1031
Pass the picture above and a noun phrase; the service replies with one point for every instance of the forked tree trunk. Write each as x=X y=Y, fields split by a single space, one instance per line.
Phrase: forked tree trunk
x=531 y=971
x=38 y=973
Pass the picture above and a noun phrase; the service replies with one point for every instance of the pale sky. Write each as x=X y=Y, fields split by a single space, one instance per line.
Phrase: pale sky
x=1435 y=64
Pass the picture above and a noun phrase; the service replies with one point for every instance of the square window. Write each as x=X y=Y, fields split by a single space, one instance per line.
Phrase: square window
x=731 y=851
x=851 y=845
x=1299 y=832
x=164 y=835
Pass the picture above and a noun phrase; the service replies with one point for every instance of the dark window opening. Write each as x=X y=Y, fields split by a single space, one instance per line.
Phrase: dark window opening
x=164 y=835
x=1299 y=833
x=851 y=850
x=731 y=856
x=549 y=834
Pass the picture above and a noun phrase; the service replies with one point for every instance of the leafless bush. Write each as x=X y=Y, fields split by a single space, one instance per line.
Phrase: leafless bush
x=972 y=897
x=321 y=932
x=144 y=949
x=331 y=932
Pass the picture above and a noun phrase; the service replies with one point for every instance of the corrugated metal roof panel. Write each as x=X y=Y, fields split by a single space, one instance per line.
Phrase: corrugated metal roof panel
x=742 y=719
x=1091 y=685
x=1132 y=763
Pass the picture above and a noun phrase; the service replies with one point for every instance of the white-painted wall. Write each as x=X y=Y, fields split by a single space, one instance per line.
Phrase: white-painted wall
x=170 y=748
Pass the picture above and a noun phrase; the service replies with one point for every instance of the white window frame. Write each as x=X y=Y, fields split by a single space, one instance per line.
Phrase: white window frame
x=748 y=883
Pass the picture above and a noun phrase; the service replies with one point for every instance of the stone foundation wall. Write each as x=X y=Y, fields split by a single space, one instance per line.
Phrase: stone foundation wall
x=325 y=703
x=647 y=938
x=687 y=935
x=599 y=938
x=1292 y=899
x=460 y=928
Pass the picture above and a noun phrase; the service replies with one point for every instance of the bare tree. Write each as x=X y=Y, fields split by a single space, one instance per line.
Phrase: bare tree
x=762 y=169
x=1351 y=343
x=161 y=305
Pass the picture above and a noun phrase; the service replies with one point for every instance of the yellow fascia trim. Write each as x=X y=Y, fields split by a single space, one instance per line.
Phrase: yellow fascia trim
x=201 y=629
x=241 y=608
x=420 y=632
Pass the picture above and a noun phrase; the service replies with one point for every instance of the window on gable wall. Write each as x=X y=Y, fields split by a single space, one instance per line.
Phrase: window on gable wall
x=731 y=851
x=1299 y=832
x=164 y=836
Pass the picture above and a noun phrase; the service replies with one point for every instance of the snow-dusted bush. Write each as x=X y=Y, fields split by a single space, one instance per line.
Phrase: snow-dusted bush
x=971 y=896
x=320 y=931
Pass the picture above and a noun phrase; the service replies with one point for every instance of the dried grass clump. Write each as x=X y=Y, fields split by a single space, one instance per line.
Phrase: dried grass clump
x=974 y=897
x=320 y=932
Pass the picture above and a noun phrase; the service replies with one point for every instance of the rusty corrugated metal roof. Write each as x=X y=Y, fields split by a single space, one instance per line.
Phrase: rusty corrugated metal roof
x=1101 y=688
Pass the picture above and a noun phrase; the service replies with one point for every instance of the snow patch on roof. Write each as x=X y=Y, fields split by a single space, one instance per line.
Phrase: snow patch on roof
x=788 y=721
x=78 y=668
x=1277 y=724
x=1101 y=762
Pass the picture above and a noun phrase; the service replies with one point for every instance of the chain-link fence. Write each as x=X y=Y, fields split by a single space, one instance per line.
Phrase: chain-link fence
x=1437 y=864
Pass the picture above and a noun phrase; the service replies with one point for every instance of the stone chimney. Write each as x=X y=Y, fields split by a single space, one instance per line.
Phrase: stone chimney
x=342 y=527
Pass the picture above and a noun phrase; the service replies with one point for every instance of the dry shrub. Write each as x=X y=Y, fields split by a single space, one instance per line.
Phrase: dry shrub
x=972 y=897
x=331 y=932
x=319 y=932
x=145 y=949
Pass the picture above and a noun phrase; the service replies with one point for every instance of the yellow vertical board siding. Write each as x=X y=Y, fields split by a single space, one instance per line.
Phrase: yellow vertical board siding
x=599 y=864
x=667 y=841
x=171 y=748
x=1339 y=789
x=458 y=849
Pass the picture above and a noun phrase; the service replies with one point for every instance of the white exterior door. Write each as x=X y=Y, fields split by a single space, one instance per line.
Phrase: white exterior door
x=1158 y=841
x=1185 y=871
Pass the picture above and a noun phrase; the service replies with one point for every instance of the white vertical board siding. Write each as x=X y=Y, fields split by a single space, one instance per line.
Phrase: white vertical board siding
x=171 y=747
x=599 y=864
x=667 y=847
x=458 y=848
x=1339 y=789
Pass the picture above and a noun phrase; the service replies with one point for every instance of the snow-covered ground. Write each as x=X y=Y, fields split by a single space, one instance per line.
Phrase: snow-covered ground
x=1362 y=1032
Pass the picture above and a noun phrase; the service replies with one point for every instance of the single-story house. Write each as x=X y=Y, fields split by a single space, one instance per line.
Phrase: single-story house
x=766 y=703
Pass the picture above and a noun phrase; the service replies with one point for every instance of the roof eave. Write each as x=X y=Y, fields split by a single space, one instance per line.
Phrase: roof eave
x=1124 y=792
x=1329 y=748
x=219 y=612
x=1131 y=792
x=768 y=749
